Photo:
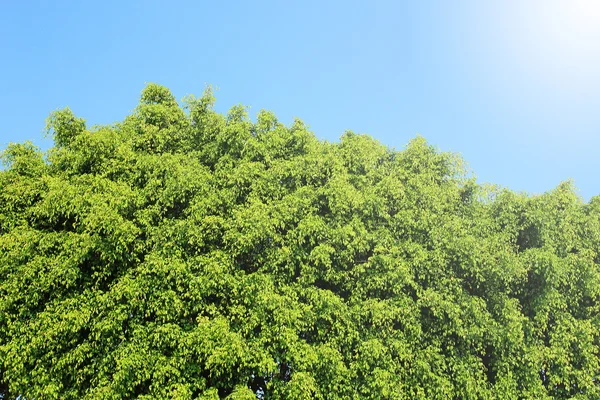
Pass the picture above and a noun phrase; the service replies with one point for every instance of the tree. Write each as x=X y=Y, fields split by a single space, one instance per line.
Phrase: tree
x=187 y=254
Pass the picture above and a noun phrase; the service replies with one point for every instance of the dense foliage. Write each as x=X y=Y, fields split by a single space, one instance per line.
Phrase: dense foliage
x=186 y=254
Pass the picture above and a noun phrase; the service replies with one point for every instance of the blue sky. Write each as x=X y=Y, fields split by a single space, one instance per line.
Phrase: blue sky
x=513 y=86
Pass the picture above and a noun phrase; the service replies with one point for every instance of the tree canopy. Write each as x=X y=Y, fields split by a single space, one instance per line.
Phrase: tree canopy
x=186 y=254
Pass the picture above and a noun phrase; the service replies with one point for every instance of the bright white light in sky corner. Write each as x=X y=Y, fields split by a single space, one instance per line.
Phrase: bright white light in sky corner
x=551 y=44
x=541 y=58
x=564 y=36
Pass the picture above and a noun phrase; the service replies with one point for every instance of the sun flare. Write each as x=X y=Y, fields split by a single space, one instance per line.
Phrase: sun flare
x=561 y=39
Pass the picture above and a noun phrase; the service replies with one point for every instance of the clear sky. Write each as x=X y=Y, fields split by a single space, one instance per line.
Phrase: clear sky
x=511 y=85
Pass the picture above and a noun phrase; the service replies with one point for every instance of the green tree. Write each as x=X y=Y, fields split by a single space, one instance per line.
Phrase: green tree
x=186 y=254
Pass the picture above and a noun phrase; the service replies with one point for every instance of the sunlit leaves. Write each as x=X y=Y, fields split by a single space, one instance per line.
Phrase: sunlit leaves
x=188 y=254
